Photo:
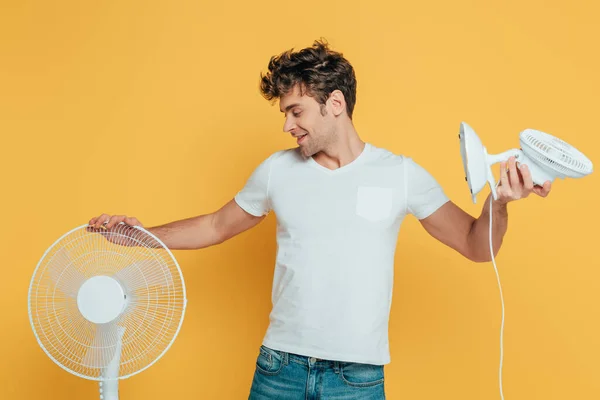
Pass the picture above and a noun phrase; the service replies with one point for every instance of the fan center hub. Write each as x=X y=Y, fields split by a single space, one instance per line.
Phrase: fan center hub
x=101 y=299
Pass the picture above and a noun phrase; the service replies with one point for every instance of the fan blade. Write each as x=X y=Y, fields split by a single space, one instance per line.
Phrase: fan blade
x=103 y=347
x=143 y=274
x=63 y=274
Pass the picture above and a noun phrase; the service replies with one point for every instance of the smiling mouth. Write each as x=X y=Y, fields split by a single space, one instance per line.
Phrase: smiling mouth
x=300 y=138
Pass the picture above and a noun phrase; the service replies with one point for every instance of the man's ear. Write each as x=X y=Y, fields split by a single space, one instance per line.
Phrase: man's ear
x=337 y=102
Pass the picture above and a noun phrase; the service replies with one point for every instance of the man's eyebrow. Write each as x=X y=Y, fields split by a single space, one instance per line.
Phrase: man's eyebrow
x=290 y=107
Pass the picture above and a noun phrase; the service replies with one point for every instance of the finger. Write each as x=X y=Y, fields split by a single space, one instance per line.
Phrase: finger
x=115 y=219
x=101 y=220
x=504 y=179
x=513 y=175
x=527 y=179
x=132 y=221
x=543 y=191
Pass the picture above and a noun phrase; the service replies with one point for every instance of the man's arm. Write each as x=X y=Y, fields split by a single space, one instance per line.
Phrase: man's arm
x=465 y=234
x=479 y=236
x=206 y=230
x=196 y=232
x=469 y=236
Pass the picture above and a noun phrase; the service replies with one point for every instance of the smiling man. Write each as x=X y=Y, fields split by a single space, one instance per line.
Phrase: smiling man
x=339 y=203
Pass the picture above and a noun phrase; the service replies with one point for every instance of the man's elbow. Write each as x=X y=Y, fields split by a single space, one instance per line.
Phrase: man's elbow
x=483 y=256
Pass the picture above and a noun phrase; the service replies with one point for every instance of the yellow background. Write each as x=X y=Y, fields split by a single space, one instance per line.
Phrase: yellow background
x=152 y=109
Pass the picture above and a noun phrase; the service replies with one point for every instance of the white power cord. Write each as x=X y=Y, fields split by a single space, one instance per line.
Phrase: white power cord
x=501 y=298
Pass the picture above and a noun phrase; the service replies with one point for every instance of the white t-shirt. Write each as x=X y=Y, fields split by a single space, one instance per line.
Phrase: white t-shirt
x=336 y=237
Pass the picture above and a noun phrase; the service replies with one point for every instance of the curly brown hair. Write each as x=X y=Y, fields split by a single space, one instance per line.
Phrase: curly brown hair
x=318 y=70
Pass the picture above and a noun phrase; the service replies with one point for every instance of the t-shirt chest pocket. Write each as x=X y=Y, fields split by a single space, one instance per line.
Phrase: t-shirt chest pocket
x=374 y=203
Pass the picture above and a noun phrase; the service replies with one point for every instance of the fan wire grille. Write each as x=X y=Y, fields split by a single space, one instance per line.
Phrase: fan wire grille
x=555 y=153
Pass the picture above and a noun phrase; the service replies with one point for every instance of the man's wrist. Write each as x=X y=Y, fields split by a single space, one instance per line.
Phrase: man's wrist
x=500 y=206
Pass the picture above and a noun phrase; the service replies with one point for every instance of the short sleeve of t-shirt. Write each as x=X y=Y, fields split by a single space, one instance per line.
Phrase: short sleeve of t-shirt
x=424 y=194
x=254 y=196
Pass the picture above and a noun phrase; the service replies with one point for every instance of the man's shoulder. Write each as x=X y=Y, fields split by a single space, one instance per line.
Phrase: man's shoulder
x=386 y=157
x=291 y=155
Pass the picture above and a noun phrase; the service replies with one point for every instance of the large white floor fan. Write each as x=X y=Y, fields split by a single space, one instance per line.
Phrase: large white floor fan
x=106 y=304
x=547 y=158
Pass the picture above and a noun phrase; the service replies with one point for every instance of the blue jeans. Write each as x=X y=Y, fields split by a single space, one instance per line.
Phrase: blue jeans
x=286 y=376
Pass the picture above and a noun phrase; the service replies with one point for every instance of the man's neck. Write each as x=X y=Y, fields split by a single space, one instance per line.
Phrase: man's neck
x=343 y=151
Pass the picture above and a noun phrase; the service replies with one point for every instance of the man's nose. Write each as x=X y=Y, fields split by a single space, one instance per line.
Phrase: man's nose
x=288 y=125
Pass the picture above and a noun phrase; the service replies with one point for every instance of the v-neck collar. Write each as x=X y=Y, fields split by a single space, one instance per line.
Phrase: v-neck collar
x=343 y=168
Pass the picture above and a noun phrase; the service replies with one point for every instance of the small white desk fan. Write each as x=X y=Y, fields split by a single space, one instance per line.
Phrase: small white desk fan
x=547 y=157
x=106 y=304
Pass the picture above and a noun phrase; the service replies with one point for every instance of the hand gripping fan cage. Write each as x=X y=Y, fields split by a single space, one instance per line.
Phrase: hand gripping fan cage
x=546 y=156
x=106 y=304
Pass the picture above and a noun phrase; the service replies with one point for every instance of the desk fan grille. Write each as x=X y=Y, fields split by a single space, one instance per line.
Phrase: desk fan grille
x=552 y=152
x=154 y=300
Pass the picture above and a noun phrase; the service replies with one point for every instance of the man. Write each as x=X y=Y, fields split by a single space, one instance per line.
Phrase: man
x=339 y=203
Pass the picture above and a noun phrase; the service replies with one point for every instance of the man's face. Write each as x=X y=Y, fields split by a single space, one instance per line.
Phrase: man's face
x=311 y=123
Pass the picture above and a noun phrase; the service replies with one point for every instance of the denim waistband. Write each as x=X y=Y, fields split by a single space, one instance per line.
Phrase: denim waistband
x=313 y=362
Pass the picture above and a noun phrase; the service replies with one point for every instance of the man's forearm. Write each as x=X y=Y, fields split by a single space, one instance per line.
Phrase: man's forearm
x=188 y=234
x=479 y=234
